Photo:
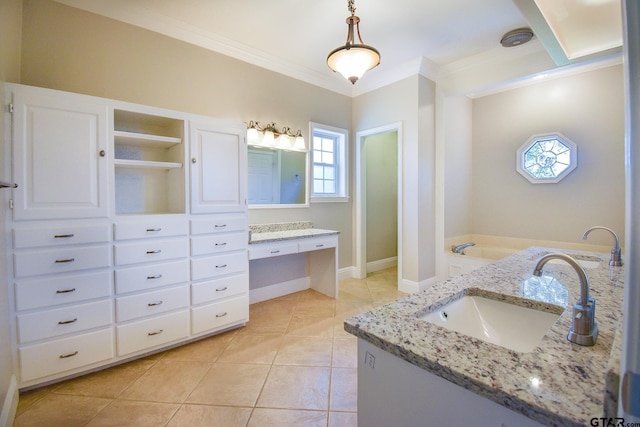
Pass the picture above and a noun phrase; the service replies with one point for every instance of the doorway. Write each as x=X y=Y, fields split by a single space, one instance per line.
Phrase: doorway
x=378 y=207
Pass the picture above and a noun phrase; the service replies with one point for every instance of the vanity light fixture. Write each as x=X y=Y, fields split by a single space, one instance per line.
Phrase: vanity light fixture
x=353 y=59
x=271 y=137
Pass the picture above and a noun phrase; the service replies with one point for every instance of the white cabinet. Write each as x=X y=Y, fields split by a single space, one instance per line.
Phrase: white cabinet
x=59 y=154
x=218 y=167
x=109 y=261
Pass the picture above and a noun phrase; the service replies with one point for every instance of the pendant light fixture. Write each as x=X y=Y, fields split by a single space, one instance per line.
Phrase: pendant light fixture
x=353 y=59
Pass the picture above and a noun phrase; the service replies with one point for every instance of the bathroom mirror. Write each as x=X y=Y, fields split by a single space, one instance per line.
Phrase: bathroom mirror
x=277 y=177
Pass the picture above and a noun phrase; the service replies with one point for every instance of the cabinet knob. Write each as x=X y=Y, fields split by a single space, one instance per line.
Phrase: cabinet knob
x=194 y=160
x=102 y=153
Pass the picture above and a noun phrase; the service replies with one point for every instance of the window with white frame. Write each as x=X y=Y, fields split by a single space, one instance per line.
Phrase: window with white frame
x=328 y=163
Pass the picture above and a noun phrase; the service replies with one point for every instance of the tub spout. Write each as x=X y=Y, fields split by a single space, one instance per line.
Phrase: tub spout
x=459 y=249
x=616 y=252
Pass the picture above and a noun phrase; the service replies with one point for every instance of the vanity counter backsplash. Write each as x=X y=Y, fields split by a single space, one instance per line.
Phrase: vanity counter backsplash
x=557 y=383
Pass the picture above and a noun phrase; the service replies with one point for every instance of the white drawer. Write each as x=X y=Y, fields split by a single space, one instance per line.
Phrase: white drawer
x=61 y=289
x=60 y=235
x=41 y=360
x=152 y=227
x=63 y=321
x=220 y=224
x=212 y=290
x=153 y=332
x=219 y=265
x=151 y=276
x=317 y=243
x=150 y=250
x=217 y=243
x=32 y=263
x=216 y=316
x=151 y=303
x=265 y=250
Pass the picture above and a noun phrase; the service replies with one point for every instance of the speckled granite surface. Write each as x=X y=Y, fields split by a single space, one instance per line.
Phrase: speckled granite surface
x=556 y=384
x=262 y=233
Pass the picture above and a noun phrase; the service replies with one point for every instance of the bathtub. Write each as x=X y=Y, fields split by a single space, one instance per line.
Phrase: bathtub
x=475 y=257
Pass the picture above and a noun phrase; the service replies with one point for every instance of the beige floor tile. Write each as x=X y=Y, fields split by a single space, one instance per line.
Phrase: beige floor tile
x=265 y=417
x=265 y=322
x=315 y=307
x=58 y=410
x=210 y=416
x=28 y=398
x=230 y=384
x=344 y=389
x=251 y=349
x=307 y=325
x=296 y=387
x=127 y=413
x=108 y=383
x=168 y=381
x=307 y=351
x=345 y=352
x=204 y=350
x=343 y=419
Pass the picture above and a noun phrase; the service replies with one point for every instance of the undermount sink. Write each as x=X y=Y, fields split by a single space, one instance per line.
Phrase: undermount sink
x=508 y=325
x=586 y=261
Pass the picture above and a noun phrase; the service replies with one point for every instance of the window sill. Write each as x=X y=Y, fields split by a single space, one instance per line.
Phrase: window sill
x=321 y=199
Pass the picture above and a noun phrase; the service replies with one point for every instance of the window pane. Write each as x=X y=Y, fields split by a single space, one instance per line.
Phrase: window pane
x=318 y=186
x=329 y=186
x=327 y=145
x=329 y=172
x=318 y=172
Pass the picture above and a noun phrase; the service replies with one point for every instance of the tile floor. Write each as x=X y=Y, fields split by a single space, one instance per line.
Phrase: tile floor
x=291 y=365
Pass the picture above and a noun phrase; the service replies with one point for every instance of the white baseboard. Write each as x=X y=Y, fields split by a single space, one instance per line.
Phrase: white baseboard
x=346 y=273
x=381 y=264
x=278 y=290
x=10 y=405
x=411 y=287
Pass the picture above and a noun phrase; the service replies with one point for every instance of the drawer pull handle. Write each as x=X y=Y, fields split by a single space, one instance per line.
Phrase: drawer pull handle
x=63 y=236
x=220 y=226
x=159 y=331
x=65 y=291
x=275 y=252
x=221 y=244
x=320 y=245
x=150 y=230
x=62 y=261
x=221 y=289
x=64 y=356
x=221 y=314
x=221 y=266
x=157 y=251
x=153 y=304
x=66 y=322
x=157 y=276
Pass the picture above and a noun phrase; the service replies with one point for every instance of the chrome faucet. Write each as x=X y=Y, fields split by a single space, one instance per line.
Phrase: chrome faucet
x=616 y=252
x=459 y=249
x=584 y=328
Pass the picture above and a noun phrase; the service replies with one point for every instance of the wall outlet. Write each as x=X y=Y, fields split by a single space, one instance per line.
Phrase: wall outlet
x=369 y=360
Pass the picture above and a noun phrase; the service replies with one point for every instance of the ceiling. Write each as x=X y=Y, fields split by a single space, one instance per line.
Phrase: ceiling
x=293 y=37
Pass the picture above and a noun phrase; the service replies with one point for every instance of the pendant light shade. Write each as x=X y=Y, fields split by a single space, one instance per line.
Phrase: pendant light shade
x=353 y=59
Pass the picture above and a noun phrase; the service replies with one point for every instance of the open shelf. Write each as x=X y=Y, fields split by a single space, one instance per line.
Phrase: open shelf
x=134 y=164
x=135 y=139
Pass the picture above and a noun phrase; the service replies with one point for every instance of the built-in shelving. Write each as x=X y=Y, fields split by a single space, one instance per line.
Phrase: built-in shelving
x=148 y=159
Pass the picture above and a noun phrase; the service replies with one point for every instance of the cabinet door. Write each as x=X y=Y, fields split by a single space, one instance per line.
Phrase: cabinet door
x=218 y=168
x=57 y=141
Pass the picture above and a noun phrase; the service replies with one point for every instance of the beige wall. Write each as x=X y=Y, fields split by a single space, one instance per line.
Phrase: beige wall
x=411 y=103
x=587 y=108
x=10 y=23
x=382 y=195
x=72 y=50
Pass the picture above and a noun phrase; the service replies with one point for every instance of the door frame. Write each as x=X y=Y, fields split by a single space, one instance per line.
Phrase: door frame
x=361 y=197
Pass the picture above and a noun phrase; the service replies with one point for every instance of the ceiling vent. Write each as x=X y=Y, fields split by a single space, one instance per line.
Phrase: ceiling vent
x=516 y=37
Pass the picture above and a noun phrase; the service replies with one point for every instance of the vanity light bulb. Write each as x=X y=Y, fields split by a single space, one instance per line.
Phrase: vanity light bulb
x=269 y=139
x=252 y=136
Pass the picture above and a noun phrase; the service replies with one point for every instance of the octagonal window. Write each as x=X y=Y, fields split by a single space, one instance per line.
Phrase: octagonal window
x=547 y=158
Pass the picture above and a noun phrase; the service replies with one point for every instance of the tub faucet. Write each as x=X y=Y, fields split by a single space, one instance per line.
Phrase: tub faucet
x=584 y=329
x=616 y=252
x=459 y=249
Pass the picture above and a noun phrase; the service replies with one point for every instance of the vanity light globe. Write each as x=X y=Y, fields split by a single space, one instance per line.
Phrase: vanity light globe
x=298 y=145
x=284 y=142
x=269 y=139
x=252 y=136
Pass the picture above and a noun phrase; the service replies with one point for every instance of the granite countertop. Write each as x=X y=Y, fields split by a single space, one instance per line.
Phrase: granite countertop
x=263 y=233
x=558 y=383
